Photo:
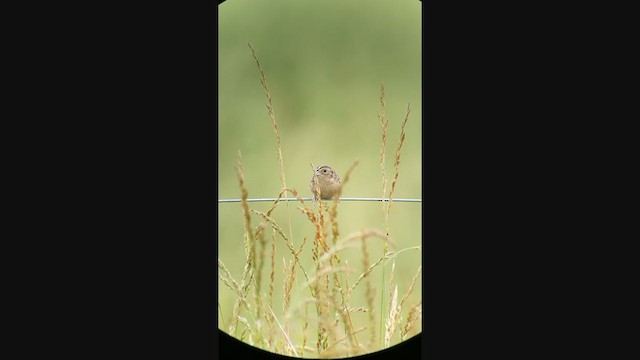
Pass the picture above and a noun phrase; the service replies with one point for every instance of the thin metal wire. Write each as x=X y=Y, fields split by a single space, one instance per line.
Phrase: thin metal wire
x=309 y=199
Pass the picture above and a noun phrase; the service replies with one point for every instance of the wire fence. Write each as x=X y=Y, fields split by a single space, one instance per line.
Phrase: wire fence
x=310 y=199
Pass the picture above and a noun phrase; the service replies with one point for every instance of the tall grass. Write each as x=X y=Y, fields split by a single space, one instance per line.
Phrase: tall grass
x=326 y=286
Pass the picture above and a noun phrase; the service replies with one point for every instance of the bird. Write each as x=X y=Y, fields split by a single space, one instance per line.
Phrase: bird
x=326 y=182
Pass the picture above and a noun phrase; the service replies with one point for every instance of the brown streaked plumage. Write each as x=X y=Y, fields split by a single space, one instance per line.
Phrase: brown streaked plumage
x=328 y=183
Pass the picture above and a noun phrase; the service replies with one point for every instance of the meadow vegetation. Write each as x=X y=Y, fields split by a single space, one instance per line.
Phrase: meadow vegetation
x=323 y=293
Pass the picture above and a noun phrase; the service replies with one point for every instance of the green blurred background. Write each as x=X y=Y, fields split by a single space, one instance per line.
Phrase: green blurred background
x=324 y=61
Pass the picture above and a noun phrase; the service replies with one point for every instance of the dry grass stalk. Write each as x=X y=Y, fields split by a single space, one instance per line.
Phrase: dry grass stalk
x=324 y=300
x=281 y=195
x=322 y=309
x=345 y=305
x=393 y=317
x=345 y=316
x=272 y=116
x=396 y=163
x=394 y=255
x=289 y=277
x=359 y=309
x=321 y=282
x=393 y=297
x=260 y=228
x=350 y=350
x=288 y=284
x=414 y=314
x=368 y=271
x=318 y=231
x=365 y=274
x=393 y=272
x=286 y=239
x=271 y=282
x=249 y=247
x=296 y=311
x=413 y=282
x=370 y=293
x=333 y=212
x=386 y=208
x=344 y=312
x=383 y=149
x=347 y=284
x=276 y=227
x=321 y=239
x=259 y=267
x=246 y=324
x=384 y=122
x=321 y=274
x=284 y=333
x=227 y=278
x=304 y=329
x=268 y=343
x=350 y=242
x=249 y=240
